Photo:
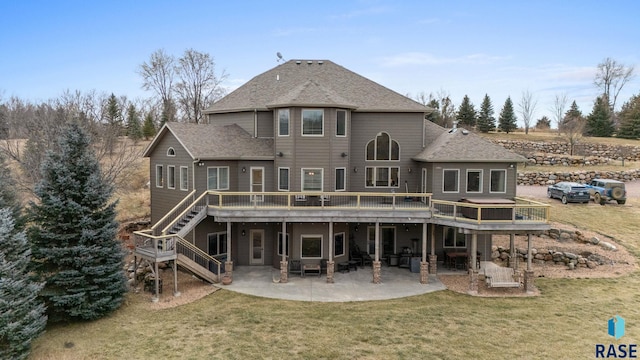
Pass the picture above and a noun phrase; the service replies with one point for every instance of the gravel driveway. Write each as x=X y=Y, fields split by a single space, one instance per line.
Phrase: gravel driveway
x=540 y=192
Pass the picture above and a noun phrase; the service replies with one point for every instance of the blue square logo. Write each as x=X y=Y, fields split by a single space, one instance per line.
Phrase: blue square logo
x=616 y=327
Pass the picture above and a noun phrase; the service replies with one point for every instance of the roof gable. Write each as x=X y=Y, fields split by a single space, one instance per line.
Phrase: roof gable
x=215 y=142
x=318 y=83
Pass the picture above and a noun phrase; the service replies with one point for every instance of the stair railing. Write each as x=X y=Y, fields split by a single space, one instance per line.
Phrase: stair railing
x=197 y=255
x=171 y=214
x=200 y=202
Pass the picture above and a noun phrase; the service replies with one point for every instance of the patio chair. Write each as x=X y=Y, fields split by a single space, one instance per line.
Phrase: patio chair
x=323 y=266
x=295 y=267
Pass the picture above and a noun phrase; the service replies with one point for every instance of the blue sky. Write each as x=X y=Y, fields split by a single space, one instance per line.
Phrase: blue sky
x=500 y=48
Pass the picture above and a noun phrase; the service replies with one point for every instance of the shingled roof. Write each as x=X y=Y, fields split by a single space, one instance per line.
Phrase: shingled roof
x=216 y=142
x=319 y=83
x=460 y=145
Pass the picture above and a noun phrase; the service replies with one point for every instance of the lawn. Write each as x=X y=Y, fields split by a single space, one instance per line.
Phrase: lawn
x=566 y=321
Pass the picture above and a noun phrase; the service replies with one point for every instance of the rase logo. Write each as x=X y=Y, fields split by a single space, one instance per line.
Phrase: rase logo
x=615 y=329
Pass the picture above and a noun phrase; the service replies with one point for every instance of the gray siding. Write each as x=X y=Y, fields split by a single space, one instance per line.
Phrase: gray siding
x=405 y=128
x=265 y=124
x=164 y=199
x=245 y=120
x=238 y=180
x=437 y=180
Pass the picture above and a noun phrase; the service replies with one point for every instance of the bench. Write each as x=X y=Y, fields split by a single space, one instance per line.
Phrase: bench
x=501 y=277
x=311 y=268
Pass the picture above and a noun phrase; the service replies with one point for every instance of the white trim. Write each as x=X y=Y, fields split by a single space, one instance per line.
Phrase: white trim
x=302 y=123
x=457 y=181
x=159 y=176
x=302 y=171
x=505 y=181
x=375 y=177
x=375 y=152
x=288 y=178
x=184 y=170
x=251 y=184
x=344 y=244
x=171 y=180
x=344 y=179
x=171 y=151
x=302 y=237
x=288 y=123
x=218 y=177
x=479 y=185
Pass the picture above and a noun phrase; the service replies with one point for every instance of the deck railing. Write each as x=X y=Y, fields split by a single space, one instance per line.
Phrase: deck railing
x=521 y=212
x=172 y=214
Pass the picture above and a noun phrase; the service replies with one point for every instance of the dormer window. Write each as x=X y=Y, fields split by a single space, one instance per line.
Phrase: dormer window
x=171 y=152
x=383 y=148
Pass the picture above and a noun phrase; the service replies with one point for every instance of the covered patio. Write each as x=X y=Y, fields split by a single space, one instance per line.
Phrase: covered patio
x=263 y=281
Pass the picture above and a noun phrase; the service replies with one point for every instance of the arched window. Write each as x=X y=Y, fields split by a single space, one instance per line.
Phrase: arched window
x=171 y=152
x=383 y=148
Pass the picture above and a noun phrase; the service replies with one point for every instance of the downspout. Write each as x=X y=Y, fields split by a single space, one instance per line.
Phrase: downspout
x=255 y=123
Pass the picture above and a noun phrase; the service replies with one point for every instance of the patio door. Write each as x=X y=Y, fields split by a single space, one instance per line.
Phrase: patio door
x=257 y=183
x=256 y=238
x=387 y=240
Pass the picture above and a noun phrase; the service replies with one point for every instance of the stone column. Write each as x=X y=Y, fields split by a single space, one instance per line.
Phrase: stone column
x=424 y=272
x=284 y=271
x=228 y=269
x=473 y=282
x=376 y=272
x=330 y=270
x=528 y=281
x=433 y=266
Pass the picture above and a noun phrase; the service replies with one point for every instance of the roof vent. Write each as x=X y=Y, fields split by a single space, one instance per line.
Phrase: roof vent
x=320 y=62
x=298 y=62
x=309 y=62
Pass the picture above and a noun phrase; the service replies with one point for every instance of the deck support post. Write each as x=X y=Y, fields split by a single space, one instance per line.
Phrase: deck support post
x=330 y=271
x=433 y=258
x=175 y=278
x=528 y=281
x=377 y=268
x=156 y=296
x=512 y=252
x=376 y=272
x=330 y=260
x=424 y=272
x=473 y=281
x=284 y=272
x=284 y=263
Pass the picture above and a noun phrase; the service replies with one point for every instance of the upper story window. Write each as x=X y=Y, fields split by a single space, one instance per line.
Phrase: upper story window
x=171 y=177
x=171 y=152
x=450 y=180
x=283 y=179
x=283 y=122
x=383 y=148
x=498 y=181
x=381 y=176
x=184 y=178
x=311 y=179
x=218 y=178
x=341 y=123
x=159 y=176
x=474 y=181
x=312 y=122
x=341 y=179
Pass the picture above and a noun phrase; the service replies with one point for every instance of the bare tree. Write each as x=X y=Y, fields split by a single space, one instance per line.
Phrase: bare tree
x=527 y=107
x=199 y=86
x=558 y=106
x=573 y=128
x=611 y=77
x=157 y=75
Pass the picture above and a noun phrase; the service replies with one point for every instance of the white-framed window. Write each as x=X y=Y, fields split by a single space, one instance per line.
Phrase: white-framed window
x=382 y=147
x=283 y=122
x=341 y=179
x=498 y=181
x=283 y=179
x=184 y=178
x=341 y=123
x=171 y=177
x=313 y=122
x=450 y=180
x=217 y=243
x=382 y=176
x=474 y=181
x=283 y=245
x=451 y=238
x=218 y=178
x=312 y=179
x=387 y=239
x=159 y=176
x=171 y=152
x=311 y=246
x=339 y=244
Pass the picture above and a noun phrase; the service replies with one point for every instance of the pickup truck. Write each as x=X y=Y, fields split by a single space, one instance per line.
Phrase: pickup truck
x=603 y=190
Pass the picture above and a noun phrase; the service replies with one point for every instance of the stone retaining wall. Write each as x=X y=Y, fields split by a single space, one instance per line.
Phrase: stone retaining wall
x=570 y=260
x=581 y=176
x=560 y=153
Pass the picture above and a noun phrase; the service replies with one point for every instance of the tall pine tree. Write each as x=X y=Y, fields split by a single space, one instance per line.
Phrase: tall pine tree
x=73 y=234
x=486 y=121
x=134 y=128
x=630 y=119
x=599 y=122
x=22 y=313
x=148 y=129
x=507 y=121
x=466 y=113
x=9 y=193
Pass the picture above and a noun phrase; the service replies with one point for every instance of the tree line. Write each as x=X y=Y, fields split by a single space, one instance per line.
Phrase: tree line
x=603 y=120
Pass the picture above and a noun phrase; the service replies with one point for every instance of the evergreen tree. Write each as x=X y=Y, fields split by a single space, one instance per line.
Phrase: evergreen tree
x=507 y=121
x=486 y=121
x=630 y=119
x=73 y=234
x=9 y=194
x=148 y=129
x=434 y=116
x=113 y=118
x=466 y=113
x=22 y=313
x=4 y=122
x=599 y=122
x=543 y=123
x=134 y=128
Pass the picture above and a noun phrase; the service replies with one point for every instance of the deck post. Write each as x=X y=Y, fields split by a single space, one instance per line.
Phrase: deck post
x=433 y=258
x=175 y=278
x=473 y=281
x=156 y=296
x=528 y=281
x=376 y=259
x=284 y=264
x=529 y=252
x=228 y=265
x=474 y=251
x=424 y=265
x=330 y=261
x=512 y=252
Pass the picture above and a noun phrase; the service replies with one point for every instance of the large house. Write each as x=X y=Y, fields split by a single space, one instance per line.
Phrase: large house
x=309 y=166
